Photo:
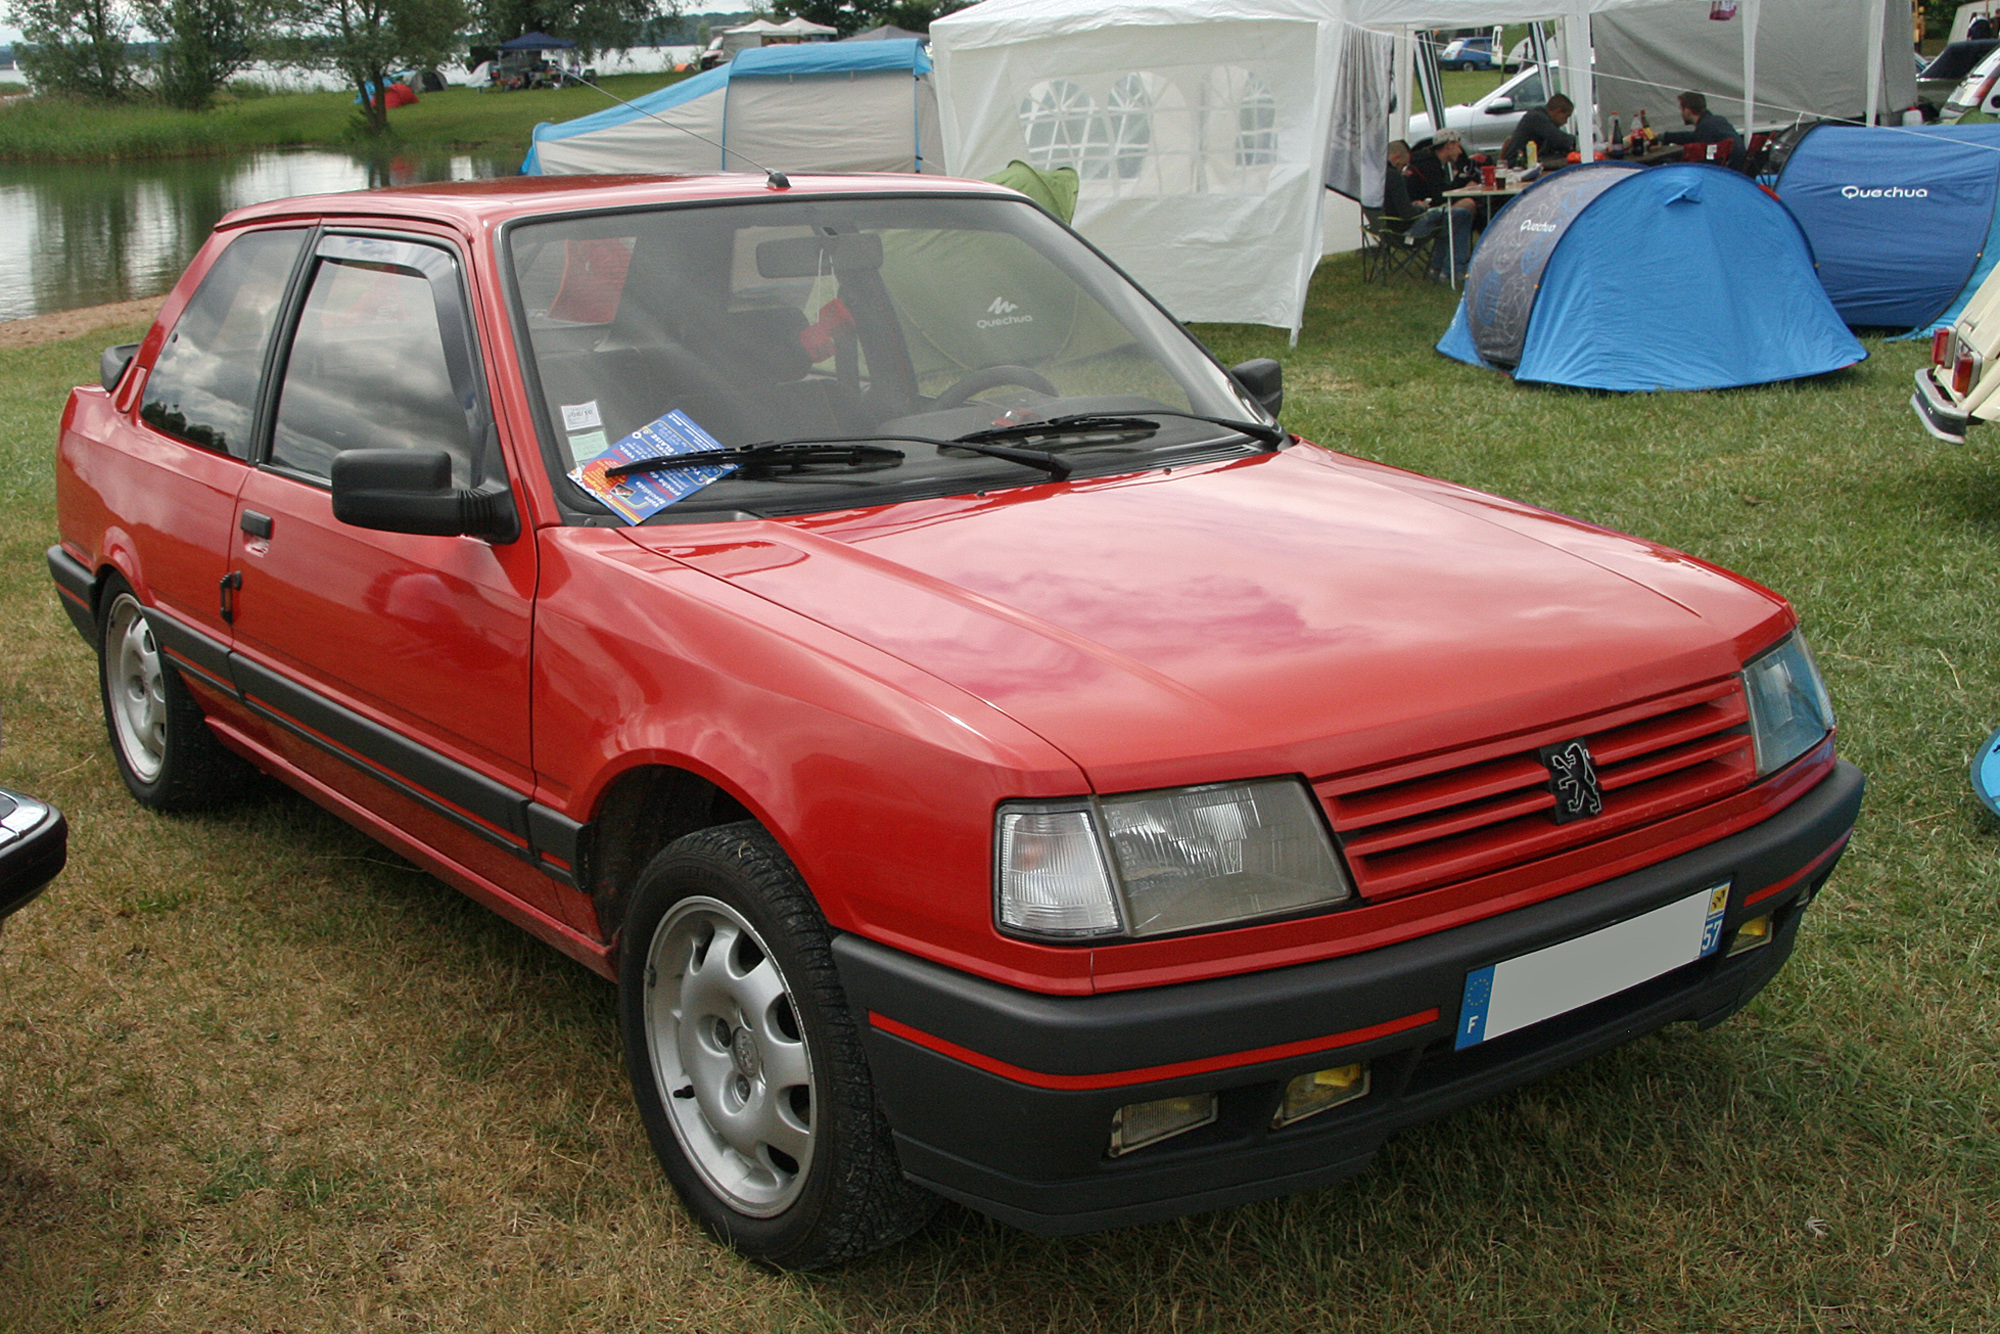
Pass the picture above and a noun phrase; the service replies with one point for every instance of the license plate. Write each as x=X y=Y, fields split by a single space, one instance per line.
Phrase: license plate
x=1514 y=993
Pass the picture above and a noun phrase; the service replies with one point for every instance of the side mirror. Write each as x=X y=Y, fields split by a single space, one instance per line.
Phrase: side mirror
x=111 y=364
x=1500 y=107
x=1264 y=380
x=410 y=491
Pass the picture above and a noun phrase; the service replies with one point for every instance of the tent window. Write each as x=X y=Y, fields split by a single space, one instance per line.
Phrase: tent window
x=1130 y=124
x=1256 y=124
x=1064 y=129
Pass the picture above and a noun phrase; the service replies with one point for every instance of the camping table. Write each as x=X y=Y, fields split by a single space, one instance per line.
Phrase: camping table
x=1498 y=192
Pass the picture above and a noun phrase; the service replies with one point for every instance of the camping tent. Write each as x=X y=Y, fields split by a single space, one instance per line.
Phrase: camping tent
x=536 y=41
x=1901 y=219
x=827 y=106
x=888 y=32
x=1554 y=295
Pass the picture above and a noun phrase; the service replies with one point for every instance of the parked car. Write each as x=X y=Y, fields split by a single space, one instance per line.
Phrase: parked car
x=1979 y=91
x=34 y=845
x=1955 y=392
x=1942 y=73
x=1463 y=53
x=1485 y=124
x=994 y=759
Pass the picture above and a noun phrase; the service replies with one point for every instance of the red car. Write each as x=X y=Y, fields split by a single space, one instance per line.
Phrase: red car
x=993 y=758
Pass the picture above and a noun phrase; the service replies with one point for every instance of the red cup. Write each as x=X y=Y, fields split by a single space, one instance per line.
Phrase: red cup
x=1486 y=177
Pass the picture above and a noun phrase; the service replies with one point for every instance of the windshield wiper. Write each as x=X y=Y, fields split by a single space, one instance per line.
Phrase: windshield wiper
x=1091 y=422
x=762 y=458
x=1059 y=469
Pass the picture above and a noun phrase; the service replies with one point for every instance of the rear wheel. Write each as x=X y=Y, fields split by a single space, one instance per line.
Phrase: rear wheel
x=745 y=1060
x=168 y=758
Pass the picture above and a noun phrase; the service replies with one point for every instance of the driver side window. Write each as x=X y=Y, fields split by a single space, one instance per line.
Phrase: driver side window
x=369 y=369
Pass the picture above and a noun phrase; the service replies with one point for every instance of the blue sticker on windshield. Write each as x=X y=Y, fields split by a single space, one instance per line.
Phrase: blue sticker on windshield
x=637 y=496
x=1986 y=773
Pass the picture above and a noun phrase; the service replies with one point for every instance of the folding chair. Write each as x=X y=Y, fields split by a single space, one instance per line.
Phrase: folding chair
x=1387 y=251
x=1721 y=151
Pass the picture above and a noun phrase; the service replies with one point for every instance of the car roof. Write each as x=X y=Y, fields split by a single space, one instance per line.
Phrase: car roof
x=479 y=205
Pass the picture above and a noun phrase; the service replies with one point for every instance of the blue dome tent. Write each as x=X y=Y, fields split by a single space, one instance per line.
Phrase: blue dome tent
x=1901 y=218
x=1614 y=276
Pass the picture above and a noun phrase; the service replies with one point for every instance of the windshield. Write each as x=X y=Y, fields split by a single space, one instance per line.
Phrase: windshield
x=918 y=319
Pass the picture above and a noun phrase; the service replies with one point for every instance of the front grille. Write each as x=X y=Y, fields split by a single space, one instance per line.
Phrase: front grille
x=1432 y=822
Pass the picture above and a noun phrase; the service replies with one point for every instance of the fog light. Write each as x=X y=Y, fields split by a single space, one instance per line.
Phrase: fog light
x=1142 y=1123
x=1755 y=932
x=1309 y=1095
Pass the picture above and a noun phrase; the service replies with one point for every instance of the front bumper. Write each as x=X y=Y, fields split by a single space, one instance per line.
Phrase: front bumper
x=34 y=845
x=1003 y=1099
x=1934 y=408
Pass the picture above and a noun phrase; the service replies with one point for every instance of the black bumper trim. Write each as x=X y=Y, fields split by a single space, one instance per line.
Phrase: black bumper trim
x=76 y=590
x=31 y=858
x=1035 y=1156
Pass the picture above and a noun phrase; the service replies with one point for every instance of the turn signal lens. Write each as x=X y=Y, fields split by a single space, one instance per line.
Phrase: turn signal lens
x=1320 y=1091
x=1962 y=374
x=1940 y=347
x=1051 y=876
x=1142 y=1123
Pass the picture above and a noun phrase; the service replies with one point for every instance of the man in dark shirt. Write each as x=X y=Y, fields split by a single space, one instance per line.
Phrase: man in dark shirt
x=1403 y=214
x=1980 y=28
x=1709 y=128
x=1439 y=167
x=1543 y=127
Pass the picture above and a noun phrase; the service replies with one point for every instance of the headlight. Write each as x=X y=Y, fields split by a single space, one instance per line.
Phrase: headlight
x=1152 y=863
x=1789 y=708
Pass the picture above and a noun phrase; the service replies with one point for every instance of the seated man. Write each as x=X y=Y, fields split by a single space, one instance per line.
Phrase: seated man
x=1709 y=128
x=1542 y=127
x=1439 y=167
x=1403 y=214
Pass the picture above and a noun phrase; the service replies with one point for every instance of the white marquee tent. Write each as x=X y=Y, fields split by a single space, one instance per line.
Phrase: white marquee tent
x=1202 y=129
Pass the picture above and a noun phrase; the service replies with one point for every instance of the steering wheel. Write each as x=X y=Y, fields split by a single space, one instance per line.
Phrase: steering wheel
x=992 y=378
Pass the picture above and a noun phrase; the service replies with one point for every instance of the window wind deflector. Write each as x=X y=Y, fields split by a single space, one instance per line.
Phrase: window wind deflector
x=762 y=458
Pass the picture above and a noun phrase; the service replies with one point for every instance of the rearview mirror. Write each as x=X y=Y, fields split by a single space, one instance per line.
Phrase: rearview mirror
x=410 y=491
x=810 y=256
x=1264 y=380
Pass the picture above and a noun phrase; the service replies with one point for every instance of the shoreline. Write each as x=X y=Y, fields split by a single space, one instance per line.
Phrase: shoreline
x=59 y=325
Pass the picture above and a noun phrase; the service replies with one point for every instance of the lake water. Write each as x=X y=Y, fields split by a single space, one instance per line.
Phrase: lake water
x=82 y=234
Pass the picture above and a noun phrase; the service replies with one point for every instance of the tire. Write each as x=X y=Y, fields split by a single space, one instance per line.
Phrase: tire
x=168 y=758
x=746 y=1062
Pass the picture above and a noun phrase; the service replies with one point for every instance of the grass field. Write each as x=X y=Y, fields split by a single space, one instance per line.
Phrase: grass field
x=257 y=1074
x=37 y=130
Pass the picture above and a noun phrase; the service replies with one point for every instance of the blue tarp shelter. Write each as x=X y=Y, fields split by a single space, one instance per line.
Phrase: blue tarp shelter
x=536 y=41
x=1902 y=218
x=819 y=106
x=1614 y=276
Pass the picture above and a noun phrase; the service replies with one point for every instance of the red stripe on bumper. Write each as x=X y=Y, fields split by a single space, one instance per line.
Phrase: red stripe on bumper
x=1800 y=874
x=1120 y=1078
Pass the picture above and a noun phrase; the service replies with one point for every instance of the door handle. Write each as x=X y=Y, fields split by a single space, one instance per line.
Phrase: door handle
x=230 y=583
x=255 y=524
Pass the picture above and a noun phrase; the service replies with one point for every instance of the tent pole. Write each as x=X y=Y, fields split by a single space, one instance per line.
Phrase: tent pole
x=1399 y=119
x=1577 y=75
x=1750 y=14
x=1877 y=15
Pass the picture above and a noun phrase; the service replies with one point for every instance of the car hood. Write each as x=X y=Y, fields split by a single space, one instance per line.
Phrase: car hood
x=1292 y=612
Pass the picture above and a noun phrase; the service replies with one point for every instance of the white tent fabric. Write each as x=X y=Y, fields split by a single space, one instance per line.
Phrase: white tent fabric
x=1811 y=57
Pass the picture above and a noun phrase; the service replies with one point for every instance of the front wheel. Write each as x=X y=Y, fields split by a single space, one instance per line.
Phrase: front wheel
x=168 y=758
x=745 y=1061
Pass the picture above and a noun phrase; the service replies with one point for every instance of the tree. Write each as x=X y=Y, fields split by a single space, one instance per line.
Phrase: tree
x=367 y=39
x=594 y=25
x=75 y=47
x=203 y=44
x=852 y=16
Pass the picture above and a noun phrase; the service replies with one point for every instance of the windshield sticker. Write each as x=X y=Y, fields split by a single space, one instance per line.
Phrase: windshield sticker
x=583 y=448
x=581 y=416
x=638 y=496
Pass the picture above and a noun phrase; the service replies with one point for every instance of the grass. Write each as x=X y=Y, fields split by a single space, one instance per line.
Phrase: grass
x=49 y=130
x=256 y=1073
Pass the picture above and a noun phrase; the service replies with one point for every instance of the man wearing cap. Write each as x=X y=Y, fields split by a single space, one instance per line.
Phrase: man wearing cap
x=1439 y=166
x=1404 y=214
